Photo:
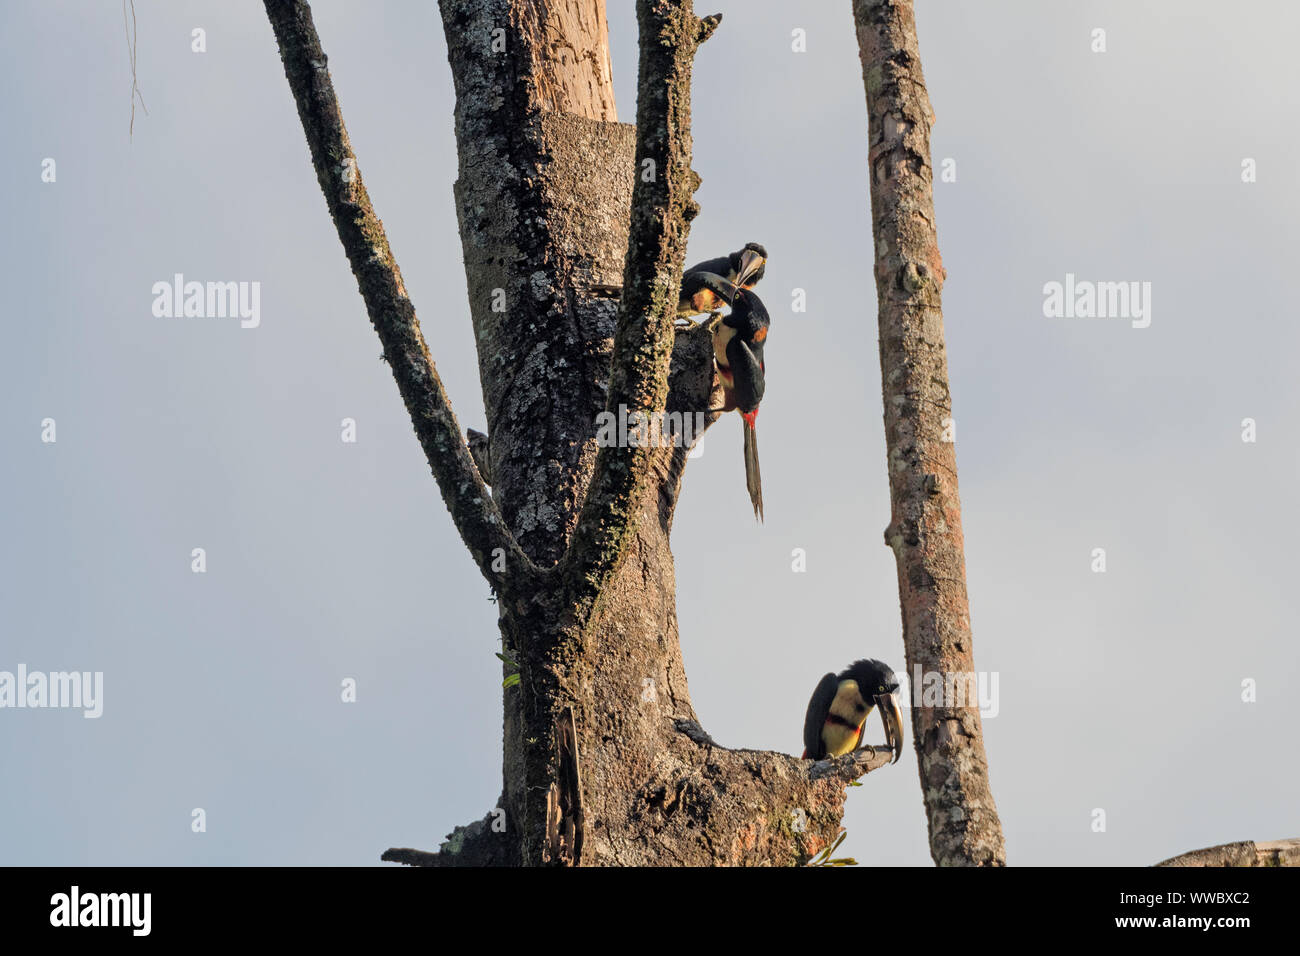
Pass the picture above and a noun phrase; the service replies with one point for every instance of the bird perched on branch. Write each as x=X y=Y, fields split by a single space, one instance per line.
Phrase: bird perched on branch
x=837 y=714
x=742 y=269
x=738 y=339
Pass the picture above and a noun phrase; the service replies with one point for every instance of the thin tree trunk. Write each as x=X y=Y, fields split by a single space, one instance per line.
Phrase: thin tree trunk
x=925 y=526
x=604 y=761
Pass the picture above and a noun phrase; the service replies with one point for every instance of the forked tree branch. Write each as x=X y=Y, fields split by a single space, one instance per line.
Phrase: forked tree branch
x=662 y=208
x=472 y=508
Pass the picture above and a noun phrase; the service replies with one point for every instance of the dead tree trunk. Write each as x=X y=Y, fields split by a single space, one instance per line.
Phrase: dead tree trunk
x=1246 y=853
x=604 y=762
x=925 y=526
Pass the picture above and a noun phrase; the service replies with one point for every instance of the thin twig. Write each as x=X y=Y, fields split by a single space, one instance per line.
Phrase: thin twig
x=132 y=45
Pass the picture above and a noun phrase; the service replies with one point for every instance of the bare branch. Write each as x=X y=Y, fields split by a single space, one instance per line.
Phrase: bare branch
x=707 y=26
x=482 y=843
x=852 y=766
x=662 y=208
x=1246 y=853
x=391 y=312
x=132 y=44
x=405 y=855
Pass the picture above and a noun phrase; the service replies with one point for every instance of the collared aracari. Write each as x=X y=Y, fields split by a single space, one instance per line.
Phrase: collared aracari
x=738 y=340
x=742 y=269
x=837 y=714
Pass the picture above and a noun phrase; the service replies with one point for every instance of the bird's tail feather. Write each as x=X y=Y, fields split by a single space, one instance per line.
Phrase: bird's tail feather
x=753 y=480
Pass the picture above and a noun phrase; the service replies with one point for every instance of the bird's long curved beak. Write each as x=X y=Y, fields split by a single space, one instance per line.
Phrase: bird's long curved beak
x=892 y=717
x=723 y=288
x=750 y=262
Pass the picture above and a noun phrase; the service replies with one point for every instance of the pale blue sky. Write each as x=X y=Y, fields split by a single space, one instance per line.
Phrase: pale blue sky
x=326 y=560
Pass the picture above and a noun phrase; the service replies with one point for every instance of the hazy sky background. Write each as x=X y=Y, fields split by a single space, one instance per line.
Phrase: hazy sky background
x=326 y=560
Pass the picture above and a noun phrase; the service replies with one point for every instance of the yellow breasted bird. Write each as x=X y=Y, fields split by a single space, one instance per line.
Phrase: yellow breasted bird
x=837 y=714
x=742 y=269
x=739 y=338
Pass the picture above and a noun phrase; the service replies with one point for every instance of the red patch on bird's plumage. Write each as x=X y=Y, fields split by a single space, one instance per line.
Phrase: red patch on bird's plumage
x=839 y=721
x=749 y=417
x=760 y=335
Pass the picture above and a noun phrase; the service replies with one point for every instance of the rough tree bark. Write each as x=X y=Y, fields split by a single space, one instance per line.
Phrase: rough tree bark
x=925 y=526
x=1246 y=853
x=604 y=761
